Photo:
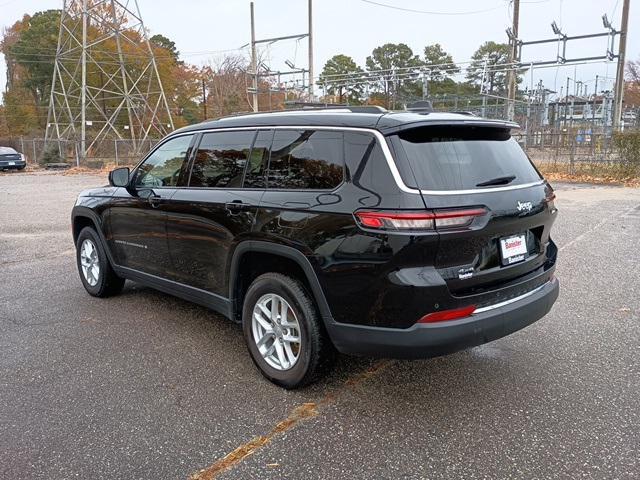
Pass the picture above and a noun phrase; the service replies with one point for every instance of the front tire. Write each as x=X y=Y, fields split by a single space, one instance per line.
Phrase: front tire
x=284 y=334
x=96 y=274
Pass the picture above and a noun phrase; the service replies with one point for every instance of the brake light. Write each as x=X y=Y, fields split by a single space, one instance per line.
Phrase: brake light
x=430 y=220
x=550 y=200
x=446 y=315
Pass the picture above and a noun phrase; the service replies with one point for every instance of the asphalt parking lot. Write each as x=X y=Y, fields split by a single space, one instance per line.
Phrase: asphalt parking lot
x=147 y=386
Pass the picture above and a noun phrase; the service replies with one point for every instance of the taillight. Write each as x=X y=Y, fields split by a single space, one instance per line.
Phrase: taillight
x=446 y=315
x=430 y=220
x=550 y=201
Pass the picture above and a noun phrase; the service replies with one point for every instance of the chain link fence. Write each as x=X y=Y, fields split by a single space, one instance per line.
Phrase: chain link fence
x=118 y=152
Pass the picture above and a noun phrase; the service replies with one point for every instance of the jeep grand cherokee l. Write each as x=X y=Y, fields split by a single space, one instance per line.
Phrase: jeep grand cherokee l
x=387 y=234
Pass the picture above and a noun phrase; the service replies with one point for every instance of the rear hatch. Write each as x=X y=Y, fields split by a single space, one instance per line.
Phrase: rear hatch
x=481 y=168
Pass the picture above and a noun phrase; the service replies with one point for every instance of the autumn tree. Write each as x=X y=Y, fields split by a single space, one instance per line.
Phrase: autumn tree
x=395 y=69
x=488 y=67
x=342 y=77
x=632 y=87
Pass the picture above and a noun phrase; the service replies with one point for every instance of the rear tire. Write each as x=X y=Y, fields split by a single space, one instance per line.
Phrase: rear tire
x=279 y=358
x=96 y=274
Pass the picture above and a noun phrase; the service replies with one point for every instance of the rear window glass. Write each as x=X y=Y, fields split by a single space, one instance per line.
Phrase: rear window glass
x=461 y=158
x=7 y=151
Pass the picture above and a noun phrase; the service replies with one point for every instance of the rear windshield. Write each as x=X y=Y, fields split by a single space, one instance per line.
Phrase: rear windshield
x=461 y=158
x=7 y=151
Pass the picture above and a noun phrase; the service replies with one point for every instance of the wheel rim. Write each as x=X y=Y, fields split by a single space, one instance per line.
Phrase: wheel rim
x=89 y=262
x=276 y=331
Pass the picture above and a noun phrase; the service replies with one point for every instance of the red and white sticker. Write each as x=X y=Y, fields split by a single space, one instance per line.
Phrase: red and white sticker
x=513 y=249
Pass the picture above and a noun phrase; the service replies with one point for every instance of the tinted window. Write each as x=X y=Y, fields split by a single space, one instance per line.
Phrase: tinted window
x=459 y=158
x=306 y=159
x=259 y=160
x=221 y=159
x=163 y=167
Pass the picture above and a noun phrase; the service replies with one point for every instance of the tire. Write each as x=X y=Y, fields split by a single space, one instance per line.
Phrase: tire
x=315 y=353
x=103 y=281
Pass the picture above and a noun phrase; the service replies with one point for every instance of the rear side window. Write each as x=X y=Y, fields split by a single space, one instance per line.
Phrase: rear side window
x=221 y=159
x=461 y=158
x=306 y=159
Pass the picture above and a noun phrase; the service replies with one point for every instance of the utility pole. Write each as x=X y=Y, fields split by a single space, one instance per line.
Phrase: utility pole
x=204 y=100
x=622 y=50
x=593 y=113
x=268 y=73
x=425 y=85
x=254 y=60
x=513 y=55
x=311 y=98
x=566 y=104
x=83 y=94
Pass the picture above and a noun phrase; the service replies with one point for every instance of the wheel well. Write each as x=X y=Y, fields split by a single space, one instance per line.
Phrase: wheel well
x=78 y=224
x=253 y=264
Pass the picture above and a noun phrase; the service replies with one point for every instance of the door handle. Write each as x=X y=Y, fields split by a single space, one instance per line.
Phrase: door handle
x=236 y=206
x=154 y=200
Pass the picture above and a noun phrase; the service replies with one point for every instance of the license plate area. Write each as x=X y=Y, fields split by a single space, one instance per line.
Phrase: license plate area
x=12 y=163
x=513 y=249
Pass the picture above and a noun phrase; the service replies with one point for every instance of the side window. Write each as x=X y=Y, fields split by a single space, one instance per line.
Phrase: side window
x=221 y=159
x=306 y=159
x=259 y=160
x=162 y=168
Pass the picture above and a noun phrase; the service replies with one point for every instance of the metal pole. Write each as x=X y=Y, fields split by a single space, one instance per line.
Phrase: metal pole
x=593 y=113
x=622 y=49
x=566 y=104
x=254 y=60
x=83 y=94
x=512 y=58
x=204 y=100
x=425 y=85
x=311 y=77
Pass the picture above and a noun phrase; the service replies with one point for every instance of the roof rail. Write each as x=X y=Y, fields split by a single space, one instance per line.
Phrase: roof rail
x=464 y=112
x=311 y=108
x=351 y=108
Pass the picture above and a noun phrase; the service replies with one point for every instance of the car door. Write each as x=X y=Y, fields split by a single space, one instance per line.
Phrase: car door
x=306 y=167
x=214 y=212
x=137 y=214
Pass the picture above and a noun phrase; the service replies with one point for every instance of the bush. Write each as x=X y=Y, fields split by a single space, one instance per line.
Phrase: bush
x=627 y=145
x=51 y=155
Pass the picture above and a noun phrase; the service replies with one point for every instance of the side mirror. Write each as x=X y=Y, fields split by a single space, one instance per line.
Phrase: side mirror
x=119 y=177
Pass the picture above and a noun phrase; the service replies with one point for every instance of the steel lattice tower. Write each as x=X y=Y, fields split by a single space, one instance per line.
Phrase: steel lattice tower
x=106 y=83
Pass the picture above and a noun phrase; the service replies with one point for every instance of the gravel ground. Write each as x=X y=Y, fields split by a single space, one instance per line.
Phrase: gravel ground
x=144 y=385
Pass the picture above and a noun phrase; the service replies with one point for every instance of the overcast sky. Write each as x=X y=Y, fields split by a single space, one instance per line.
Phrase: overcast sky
x=201 y=28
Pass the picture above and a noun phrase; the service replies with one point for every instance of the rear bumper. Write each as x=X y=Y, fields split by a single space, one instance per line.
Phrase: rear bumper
x=16 y=164
x=432 y=340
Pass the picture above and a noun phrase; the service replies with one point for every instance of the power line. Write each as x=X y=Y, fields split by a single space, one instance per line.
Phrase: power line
x=411 y=10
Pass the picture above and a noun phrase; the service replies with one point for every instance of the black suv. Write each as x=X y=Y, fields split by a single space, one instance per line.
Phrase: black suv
x=367 y=232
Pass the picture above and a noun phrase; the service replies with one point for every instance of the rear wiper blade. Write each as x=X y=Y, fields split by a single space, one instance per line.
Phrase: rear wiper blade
x=497 y=181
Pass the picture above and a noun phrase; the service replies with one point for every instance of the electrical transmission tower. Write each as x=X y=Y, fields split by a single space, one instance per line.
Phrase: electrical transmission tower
x=106 y=84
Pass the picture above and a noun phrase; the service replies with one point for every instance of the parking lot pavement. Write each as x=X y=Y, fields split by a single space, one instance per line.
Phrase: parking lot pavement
x=147 y=386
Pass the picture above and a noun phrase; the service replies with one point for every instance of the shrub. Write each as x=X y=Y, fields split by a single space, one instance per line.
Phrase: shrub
x=627 y=145
x=51 y=155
